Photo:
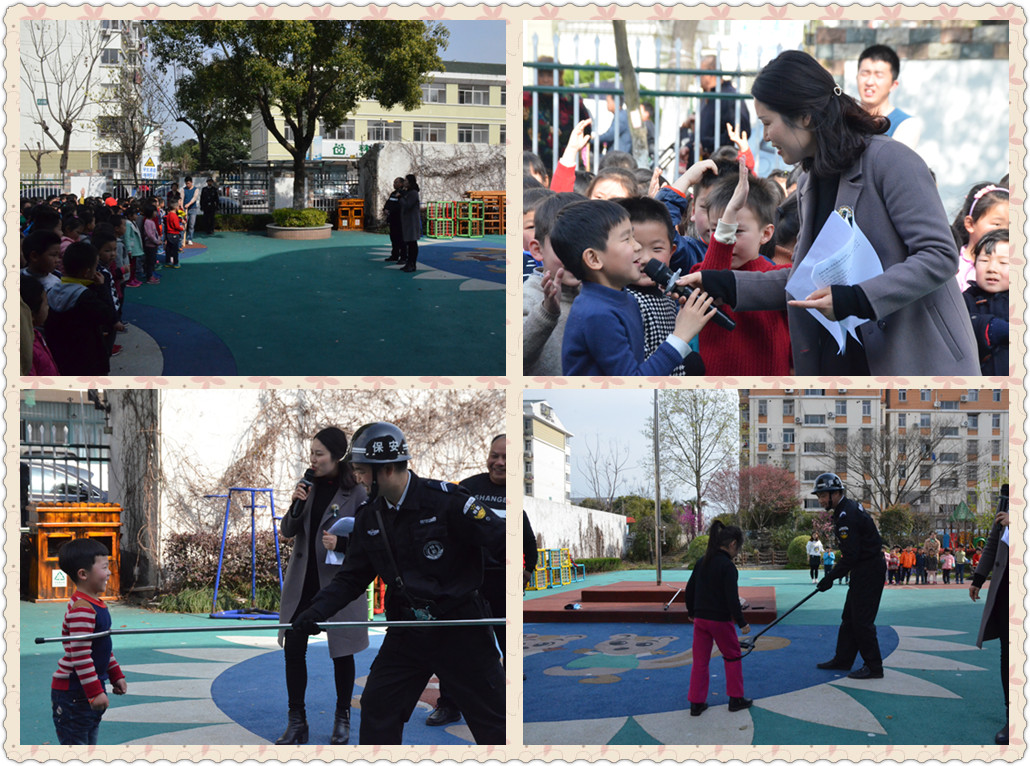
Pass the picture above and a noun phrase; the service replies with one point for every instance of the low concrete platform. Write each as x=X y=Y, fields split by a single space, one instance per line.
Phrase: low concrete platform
x=637 y=602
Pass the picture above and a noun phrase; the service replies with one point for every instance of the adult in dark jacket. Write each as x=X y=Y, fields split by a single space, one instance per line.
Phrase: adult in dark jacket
x=317 y=555
x=80 y=311
x=987 y=300
x=209 y=206
x=995 y=623
x=426 y=540
x=726 y=107
x=862 y=558
x=411 y=221
x=916 y=321
x=392 y=209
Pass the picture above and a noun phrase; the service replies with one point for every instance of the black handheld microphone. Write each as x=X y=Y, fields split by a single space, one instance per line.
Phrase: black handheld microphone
x=307 y=481
x=665 y=278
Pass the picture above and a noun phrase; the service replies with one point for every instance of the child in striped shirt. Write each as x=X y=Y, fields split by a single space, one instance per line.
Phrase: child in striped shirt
x=77 y=689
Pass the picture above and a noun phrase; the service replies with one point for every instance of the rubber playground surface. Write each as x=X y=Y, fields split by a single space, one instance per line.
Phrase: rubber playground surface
x=200 y=688
x=626 y=683
x=244 y=304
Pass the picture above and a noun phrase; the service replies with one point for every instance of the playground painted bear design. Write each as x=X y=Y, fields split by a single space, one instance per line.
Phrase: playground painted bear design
x=608 y=660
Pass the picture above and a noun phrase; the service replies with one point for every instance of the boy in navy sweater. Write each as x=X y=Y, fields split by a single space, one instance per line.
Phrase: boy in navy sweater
x=77 y=691
x=604 y=334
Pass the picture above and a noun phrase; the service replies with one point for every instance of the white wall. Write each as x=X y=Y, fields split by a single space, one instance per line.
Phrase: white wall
x=548 y=472
x=586 y=533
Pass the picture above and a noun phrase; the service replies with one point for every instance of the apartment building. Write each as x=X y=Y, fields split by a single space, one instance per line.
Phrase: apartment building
x=547 y=453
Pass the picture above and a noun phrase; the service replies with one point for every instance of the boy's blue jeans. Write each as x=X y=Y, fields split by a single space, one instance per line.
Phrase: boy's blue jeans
x=76 y=722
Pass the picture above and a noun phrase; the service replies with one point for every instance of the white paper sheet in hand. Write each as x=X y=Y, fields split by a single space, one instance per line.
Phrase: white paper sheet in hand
x=341 y=528
x=840 y=255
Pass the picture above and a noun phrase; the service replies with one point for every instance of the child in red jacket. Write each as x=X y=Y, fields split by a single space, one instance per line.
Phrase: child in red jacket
x=173 y=232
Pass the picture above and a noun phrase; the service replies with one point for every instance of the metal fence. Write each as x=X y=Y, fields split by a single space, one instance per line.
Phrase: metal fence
x=678 y=106
x=64 y=473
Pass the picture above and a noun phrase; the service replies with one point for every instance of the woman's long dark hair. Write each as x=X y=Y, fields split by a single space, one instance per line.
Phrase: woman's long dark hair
x=335 y=440
x=412 y=183
x=718 y=536
x=795 y=84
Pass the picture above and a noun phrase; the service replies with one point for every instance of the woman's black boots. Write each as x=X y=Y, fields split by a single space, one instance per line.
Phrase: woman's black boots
x=341 y=728
x=296 y=729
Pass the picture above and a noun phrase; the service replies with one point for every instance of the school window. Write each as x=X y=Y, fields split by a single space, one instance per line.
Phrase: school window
x=924 y=420
x=950 y=481
x=902 y=471
x=996 y=420
x=951 y=404
x=867 y=464
x=902 y=420
x=111 y=56
x=949 y=431
x=763 y=436
x=971 y=421
x=812 y=475
x=504 y=96
x=902 y=394
x=949 y=457
x=788 y=406
x=112 y=161
x=434 y=93
x=763 y=459
x=867 y=437
x=924 y=472
x=504 y=134
x=995 y=447
x=867 y=407
x=840 y=408
x=971 y=448
x=343 y=133
x=108 y=126
x=384 y=131
x=924 y=394
x=812 y=504
x=817 y=448
x=815 y=420
x=288 y=133
x=972 y=472
x=429 y=131
x=763 y=407
x=840 y=436
x=996 y=395
x=474 y=94
x=973 y=395
x=473 y=134
x=840 y=464
x=815 y=391
x=788 y=436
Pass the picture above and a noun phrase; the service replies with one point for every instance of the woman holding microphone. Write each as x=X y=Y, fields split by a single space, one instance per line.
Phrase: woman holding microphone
x=322 y=502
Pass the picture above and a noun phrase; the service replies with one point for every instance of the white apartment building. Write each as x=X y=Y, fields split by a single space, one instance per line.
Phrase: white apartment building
x=547 y=454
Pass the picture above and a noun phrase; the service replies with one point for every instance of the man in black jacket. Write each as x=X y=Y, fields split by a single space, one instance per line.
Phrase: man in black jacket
x=862 y=557
x=209 y=206
x=425 y=539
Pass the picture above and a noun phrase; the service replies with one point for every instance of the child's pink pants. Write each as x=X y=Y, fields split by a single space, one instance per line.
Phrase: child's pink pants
x=724 y=635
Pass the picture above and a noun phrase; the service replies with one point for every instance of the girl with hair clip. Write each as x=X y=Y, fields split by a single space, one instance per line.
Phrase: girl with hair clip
x=713 y=604
x=328 y=494
x=986 y=208
x=914 y=308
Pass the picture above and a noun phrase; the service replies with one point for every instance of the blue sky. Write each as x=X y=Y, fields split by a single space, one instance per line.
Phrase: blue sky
x=481 y=41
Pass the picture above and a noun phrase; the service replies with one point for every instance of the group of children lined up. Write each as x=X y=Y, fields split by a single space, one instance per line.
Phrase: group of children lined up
x=77 y=260
x=904 y=563
x=588 y=308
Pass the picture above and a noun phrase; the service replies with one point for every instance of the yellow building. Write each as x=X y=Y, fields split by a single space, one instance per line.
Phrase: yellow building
x=464 y=104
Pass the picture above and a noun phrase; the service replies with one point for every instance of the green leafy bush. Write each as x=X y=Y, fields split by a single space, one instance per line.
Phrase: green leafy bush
x=696 y=550
x=198 y=601
x=243 y=221
x=797 y=555
x=601 y=565
x=308 y=217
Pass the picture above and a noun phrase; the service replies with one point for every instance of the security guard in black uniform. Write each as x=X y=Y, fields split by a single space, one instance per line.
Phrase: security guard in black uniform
x=862 y=556
x=424 y=539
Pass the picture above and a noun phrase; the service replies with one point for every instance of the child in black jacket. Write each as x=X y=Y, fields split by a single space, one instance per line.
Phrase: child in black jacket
x=713 y=604
x=987 y=300
x=80 y=312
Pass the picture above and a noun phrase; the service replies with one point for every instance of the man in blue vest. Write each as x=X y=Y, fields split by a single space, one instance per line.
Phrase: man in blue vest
x=878 y=69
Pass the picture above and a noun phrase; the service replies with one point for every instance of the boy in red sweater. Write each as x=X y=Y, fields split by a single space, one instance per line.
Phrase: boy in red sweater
x=77 y=689
x=745 y=209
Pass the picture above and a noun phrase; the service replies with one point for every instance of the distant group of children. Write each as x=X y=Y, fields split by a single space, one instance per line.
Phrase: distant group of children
x=905 y=563
x=588 y=308
x=77 y=260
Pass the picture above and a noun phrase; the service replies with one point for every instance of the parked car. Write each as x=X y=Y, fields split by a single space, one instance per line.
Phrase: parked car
x=54 y=482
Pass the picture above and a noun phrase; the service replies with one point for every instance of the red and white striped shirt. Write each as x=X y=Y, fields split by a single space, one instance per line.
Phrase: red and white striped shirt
x=79 y=665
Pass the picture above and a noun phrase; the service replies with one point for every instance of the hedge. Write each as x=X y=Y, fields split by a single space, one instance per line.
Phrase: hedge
x=600 y=565
x=192 y=562
x=696 y=550
x=797 y=553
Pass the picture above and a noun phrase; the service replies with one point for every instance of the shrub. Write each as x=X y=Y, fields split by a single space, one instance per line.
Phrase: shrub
x=192 y=562
x=600 y=565
x=198 y=601
x=696 y=550
x=797 y=555
x=243 y=221
x=308 y=217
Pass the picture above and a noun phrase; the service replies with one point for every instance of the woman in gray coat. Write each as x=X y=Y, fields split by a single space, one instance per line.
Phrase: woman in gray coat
x=411 y=221
x=995 y=623
x=332 y=496
x=915 y=320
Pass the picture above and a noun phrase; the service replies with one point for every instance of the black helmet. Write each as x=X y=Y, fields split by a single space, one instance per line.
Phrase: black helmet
x=378 y=443
x=828 y=482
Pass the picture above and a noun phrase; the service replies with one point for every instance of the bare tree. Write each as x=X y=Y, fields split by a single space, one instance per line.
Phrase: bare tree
x=631 y=93
x=697 y=436
x=889 y=466
x=132 y=116
x=604 y=470
x=58 y=71
x=37 y=153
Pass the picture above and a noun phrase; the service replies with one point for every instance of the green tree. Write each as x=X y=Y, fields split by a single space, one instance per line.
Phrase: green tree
x=184 y=155
x=896 y=524
x=311 y=74
x=228 y=147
